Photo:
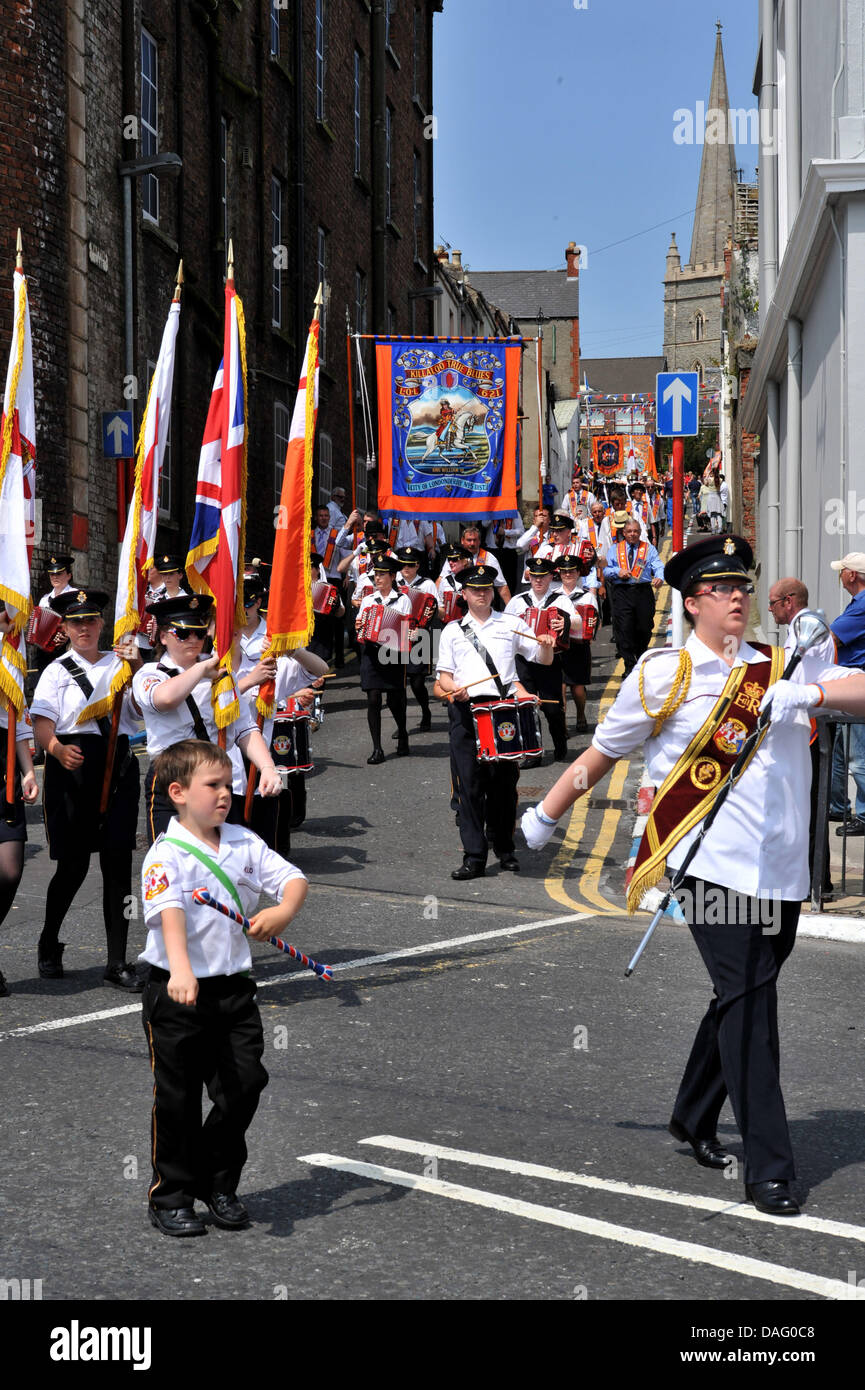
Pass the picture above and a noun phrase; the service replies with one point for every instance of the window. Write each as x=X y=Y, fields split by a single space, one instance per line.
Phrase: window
x=223 y=177
x=275 y=7
x=416 y=53
x=388 y=145
x=149 y=122
x=278 y=249
x=698 y=368
x=281 y=426
x=325 y=469
x=320 y=59
x=358 y=83
x=389 y=8
x=391 y=319
x=163 y=508
x=322 y=280
x=699 y=328
x=417 y=184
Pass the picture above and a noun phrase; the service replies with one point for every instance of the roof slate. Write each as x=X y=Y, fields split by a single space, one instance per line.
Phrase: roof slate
x=609 y=376
x=522 y=292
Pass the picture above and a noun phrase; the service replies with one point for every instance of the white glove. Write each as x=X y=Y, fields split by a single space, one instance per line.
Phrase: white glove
x=536 y=831
x=788 y=698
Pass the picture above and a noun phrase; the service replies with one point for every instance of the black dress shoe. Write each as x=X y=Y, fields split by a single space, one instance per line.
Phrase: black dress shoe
x=509 y=863
x=582 y=726
x=123 y=976
x=50 y=961
x=228 y=1211
x=772 y=1197
x=377 y=756
x=852 y=828
x=471 y=868
x=180 y=1221
x=710 y=1153
x=425 y=725
x=402 y=748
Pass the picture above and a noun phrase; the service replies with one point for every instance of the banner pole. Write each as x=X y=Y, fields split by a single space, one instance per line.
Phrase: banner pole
x=540 y=361
x=350 y=410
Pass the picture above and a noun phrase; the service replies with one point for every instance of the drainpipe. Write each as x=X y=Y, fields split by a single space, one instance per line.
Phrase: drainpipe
x=793 y=113
x=793 y=453
x=768 y=161
x=773 y=493
x=849 y=527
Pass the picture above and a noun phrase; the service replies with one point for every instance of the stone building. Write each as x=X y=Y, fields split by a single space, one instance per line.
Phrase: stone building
x=302 y=130
x=692 y=293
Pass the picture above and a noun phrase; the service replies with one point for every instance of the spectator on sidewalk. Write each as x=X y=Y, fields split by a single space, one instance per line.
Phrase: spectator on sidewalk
x=849 y=630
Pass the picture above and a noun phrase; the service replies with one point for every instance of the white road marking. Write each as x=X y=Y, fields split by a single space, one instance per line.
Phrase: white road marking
x=430 y=948
x=601 y=1230
x=626 y=1189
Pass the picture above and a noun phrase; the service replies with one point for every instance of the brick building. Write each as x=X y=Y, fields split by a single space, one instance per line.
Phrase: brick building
x=301 y=129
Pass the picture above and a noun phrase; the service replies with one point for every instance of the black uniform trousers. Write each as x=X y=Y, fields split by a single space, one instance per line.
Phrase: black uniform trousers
x=216 y=1043
x=633 y=607
x=546 y=682
x=736 y=1051
x=486 y=792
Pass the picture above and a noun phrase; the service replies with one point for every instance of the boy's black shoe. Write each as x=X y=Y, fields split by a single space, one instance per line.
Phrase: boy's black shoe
x=123 y=976
x=50 y=960
x=228 y=1211
x=180 y=1221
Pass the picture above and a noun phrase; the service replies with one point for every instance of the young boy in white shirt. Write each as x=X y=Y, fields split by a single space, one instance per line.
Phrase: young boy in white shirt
x=199 y=1011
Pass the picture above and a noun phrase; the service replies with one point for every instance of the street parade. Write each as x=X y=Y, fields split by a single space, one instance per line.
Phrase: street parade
x=426 y=734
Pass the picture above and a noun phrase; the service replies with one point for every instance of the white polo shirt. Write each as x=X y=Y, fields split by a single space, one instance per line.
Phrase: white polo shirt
x=758 y=844
x=59 y=697
x=502 y=635
x=169 y=876
x=251 y=647
x=165 y=727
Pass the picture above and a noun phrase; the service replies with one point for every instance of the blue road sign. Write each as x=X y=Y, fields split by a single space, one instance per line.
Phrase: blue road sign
x=677 y=404
x=118 y=441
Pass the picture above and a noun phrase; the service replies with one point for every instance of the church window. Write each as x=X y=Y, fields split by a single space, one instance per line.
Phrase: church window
x=698 y=368
x=699 y=328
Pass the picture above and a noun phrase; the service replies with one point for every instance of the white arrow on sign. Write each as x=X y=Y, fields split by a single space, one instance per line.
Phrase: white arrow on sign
x=679 y=392
x=118 y=428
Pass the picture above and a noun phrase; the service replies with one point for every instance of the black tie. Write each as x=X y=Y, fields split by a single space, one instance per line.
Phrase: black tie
x=630 y=557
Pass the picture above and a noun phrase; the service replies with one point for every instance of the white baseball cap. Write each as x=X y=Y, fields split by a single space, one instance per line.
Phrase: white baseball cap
x=854 y=561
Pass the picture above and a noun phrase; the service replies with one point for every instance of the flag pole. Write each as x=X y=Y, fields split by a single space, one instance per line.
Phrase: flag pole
x=350 y=409
x=11 y=716
x=221 y=734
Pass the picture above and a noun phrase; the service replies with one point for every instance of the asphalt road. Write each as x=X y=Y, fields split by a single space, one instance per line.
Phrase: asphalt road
x=476 y=1106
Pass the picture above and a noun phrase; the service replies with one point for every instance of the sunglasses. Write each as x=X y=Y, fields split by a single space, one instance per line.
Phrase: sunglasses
x=725 y=590
x=184 y=633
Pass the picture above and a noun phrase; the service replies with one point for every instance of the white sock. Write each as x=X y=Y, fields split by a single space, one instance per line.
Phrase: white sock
x=542 y=815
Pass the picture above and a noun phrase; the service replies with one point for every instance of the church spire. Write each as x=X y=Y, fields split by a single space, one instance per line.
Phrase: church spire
x=714 y=213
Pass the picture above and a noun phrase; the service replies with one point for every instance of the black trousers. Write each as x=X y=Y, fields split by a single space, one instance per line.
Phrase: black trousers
x=546 y=681
x=216 y=1043
x=633 y=619
x=736 y=1051
x=486 y=792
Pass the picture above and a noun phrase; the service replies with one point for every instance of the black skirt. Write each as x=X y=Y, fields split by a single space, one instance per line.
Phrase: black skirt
x=577 y=663
x=70 y=800
x=378 y=674
x=17 y=829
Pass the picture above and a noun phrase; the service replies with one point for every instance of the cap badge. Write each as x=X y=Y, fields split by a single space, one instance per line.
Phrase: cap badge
x=193 y=603
x=82 y=597
x=729 y=547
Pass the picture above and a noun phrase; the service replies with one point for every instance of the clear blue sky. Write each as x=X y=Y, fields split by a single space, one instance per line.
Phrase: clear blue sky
x=555 y=124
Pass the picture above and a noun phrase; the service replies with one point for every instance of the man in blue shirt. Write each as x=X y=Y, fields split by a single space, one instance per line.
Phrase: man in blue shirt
x=632 y=572
x=849 y=632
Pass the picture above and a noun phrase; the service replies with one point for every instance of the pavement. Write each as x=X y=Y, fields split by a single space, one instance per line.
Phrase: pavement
x=475 y=1108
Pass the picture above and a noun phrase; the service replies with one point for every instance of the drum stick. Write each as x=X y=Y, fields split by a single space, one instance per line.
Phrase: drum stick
x=479 y=681
x=201 y=896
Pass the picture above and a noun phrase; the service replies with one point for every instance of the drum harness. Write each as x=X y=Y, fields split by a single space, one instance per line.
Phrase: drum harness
x=482 y=652
x=197 y=721
x=81 y=679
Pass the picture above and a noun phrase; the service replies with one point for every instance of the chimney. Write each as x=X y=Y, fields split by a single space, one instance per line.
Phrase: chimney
x=456 y=260
x=572 y=260
x=441 y=254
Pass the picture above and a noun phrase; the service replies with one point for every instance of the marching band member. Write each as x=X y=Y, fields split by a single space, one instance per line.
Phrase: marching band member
x=693 y=709
x=409 y=581
x=330 y=542
x=483 y=643
x=457 y=560
x=13 y=833
x=74 y=773
x=378 y=673
x=544 y=678
x=253 y=635
x=471 y=541
x=575 y=572
x=174 y=698
x=60 y=579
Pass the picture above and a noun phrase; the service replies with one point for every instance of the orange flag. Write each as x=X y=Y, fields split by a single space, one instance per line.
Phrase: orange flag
x=289 y=613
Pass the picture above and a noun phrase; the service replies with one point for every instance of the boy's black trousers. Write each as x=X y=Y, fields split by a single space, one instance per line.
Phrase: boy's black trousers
x=215 y=1043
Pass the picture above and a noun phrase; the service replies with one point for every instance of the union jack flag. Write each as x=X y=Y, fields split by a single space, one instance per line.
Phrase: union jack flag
x=216 y=549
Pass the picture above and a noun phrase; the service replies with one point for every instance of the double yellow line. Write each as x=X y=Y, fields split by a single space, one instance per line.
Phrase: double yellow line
x=590 y=898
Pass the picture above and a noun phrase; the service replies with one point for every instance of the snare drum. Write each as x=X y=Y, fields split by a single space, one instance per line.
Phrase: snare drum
x=507 y=731
x=289 y=745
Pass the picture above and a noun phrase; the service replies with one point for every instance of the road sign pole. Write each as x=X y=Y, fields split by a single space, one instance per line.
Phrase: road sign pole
x=678 y=533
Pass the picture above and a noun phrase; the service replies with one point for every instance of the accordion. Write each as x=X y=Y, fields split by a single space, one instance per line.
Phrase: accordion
x=453 y=606
x=43 y=630
x=423 y=606
x=588 y=614
x=538 y=620
x=325 y=597
x=384 y=627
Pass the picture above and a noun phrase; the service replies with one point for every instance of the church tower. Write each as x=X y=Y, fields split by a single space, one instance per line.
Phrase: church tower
x=692 y=293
